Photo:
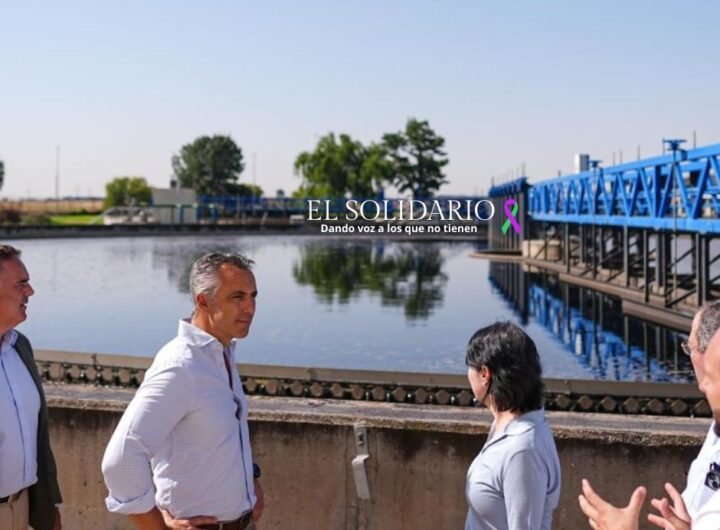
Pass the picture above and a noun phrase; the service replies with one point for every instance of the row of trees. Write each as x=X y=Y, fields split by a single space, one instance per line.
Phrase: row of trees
x=412 y=160
x=210 y=165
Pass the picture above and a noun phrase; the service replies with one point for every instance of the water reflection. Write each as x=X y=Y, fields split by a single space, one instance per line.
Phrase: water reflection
x=178 y=260
x=400 y=306
x=402 y=275
x=592 y=327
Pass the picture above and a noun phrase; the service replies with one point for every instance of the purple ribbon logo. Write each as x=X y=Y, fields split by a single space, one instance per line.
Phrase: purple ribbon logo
x=511 y=220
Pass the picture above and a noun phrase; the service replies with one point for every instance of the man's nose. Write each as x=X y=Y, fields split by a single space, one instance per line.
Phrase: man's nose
x=250 y=307
x=29 y=291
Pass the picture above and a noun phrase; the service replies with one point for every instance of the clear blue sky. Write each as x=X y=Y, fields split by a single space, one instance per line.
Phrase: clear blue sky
x=120 y=86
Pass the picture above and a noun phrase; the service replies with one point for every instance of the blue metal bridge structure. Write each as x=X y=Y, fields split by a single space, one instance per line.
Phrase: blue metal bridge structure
x=646 y=231
x=679 y=191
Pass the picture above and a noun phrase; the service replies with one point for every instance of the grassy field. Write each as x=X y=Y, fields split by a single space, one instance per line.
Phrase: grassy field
x=76 y=219
x=61 y=207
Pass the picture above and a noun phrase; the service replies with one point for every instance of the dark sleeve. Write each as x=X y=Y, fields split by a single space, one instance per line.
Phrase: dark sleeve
x=45 y=459
x=50 y=470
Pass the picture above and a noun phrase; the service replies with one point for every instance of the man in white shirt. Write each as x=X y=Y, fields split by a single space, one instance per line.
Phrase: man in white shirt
x=180 y=457
x=705 y=325
x=699 y=502
x=708 y=516
x=29 y=491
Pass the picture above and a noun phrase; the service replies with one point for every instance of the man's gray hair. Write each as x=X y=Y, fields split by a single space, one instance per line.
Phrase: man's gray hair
x=8 y=252
x=709 y=324
x=204 y=272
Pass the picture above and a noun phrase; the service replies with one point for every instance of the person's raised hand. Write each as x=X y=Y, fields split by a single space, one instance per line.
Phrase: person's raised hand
x=604 y=516
x=672 y=516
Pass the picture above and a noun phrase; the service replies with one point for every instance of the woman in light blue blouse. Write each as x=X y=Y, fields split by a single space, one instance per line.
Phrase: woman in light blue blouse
x=514 y=482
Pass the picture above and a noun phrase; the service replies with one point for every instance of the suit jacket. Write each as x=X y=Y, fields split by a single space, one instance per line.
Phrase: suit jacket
x=45 y=493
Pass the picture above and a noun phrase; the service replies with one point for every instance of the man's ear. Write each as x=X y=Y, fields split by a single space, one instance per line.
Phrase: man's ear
x=201 y=301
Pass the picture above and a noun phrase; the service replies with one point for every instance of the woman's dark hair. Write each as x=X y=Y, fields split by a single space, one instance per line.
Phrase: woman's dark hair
x=515 y=372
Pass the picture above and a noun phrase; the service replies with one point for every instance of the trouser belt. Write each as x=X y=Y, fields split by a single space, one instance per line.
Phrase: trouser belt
x=239 y=524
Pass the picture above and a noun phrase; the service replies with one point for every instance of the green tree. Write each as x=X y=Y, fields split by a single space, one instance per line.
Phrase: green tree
x=125 y=191
x=377 y=168
x=209 y=165
x=245 y=190
x=418 y=158
x=339 y=166
x=2 y=173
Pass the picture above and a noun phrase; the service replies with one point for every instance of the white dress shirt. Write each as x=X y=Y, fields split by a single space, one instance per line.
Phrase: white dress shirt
x=19 y=410
x=708 y=517
x=696 y=493
x=182 y=424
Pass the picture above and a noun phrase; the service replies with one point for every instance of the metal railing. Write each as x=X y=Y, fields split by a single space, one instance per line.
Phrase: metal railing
x=409 y=388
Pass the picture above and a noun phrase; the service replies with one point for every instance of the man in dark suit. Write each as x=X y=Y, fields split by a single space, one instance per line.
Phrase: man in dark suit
x=29 y=491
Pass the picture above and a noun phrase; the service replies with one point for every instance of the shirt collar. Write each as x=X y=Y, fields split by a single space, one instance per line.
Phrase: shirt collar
x=525 y=422
x=8 y=340
x=195 y=336
x=519 y=425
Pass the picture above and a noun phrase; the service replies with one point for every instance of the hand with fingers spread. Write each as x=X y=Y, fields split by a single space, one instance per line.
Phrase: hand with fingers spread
x=672 y=517
x=604 y=516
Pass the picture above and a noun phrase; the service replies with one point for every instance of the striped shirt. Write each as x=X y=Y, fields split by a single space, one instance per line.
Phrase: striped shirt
x=19 y=413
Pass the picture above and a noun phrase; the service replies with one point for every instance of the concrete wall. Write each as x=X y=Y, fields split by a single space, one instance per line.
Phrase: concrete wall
x=416 y=471
x=174 y=205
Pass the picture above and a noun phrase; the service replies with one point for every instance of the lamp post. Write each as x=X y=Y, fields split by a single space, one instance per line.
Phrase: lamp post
x=57 y=179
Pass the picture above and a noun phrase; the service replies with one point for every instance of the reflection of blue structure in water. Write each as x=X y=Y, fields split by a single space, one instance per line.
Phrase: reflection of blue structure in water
x=618 y=347
x=603 y=352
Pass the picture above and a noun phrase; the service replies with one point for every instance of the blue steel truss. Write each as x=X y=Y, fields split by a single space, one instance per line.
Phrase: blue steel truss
x=679 y=191
x=509 y=188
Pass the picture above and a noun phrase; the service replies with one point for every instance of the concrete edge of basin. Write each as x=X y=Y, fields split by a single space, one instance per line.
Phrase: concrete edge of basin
x=609 y=428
